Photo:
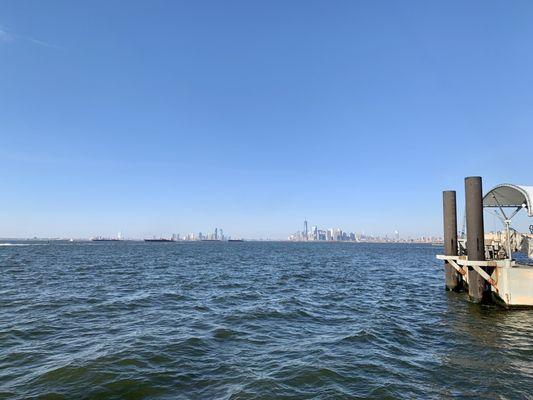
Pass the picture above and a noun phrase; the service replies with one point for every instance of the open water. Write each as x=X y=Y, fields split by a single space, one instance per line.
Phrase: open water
x=249 y=321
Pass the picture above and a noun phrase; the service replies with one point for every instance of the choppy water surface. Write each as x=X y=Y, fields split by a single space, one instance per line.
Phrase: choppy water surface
x=249 y=320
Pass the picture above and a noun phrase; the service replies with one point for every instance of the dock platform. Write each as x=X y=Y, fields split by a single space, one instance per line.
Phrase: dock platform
x=483 y=264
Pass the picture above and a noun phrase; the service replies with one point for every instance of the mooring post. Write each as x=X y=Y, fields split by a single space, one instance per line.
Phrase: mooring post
x=478 y=288
x=453 y=279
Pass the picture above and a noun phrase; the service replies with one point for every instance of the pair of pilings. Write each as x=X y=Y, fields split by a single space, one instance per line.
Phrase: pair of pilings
x=478 y=288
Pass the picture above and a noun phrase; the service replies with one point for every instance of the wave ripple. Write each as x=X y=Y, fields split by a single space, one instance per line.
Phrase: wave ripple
x=258 y=320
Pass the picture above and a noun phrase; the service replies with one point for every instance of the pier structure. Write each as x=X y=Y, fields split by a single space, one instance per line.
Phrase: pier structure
x=484 y=265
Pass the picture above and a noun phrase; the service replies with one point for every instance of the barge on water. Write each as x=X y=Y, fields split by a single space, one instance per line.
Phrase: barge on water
x=483 y=264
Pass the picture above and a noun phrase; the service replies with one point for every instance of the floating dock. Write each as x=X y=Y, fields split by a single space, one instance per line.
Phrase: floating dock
x=483 y=264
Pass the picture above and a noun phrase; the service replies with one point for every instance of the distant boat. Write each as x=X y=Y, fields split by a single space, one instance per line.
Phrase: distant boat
x=235 y=240
x=160 y=240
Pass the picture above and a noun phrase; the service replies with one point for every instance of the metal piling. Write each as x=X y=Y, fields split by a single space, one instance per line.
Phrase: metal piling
x=452 y=277
x=478 y=288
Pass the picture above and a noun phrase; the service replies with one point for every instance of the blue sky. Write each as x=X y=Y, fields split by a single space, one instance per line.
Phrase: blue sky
x=156 y=117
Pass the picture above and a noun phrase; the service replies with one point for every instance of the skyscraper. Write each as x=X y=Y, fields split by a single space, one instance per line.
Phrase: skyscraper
x=314 y=232
x=305 y=230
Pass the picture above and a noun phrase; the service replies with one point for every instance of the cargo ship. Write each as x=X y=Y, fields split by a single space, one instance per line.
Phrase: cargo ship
x=160 y=240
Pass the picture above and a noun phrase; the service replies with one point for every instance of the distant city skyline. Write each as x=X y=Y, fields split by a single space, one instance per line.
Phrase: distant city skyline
x=314 y=233
x=162 y=117
x=318 y=234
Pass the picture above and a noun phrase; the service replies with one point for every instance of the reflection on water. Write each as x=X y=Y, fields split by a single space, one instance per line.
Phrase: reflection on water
x=489 y=350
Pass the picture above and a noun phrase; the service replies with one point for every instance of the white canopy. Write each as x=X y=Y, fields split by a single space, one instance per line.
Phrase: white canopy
x=508 y=195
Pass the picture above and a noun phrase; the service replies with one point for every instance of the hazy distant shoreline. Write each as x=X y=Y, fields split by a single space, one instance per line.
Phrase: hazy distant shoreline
x=213 y=241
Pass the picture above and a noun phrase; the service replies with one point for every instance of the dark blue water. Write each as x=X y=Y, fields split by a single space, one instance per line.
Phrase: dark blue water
x=250 y=320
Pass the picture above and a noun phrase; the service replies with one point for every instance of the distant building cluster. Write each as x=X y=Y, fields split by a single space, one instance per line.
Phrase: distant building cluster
x=338 y=235
x=217 y=234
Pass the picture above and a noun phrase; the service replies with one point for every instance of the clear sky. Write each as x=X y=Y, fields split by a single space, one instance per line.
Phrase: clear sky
x=153 y=117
